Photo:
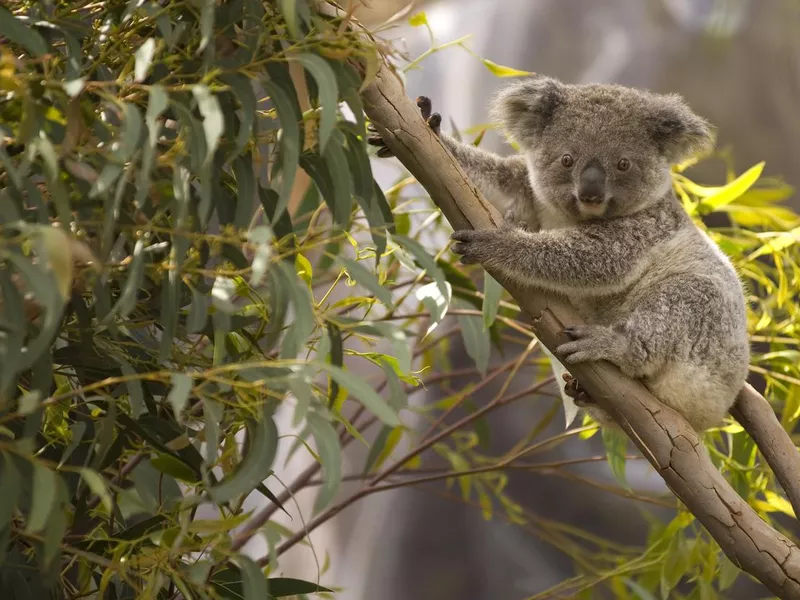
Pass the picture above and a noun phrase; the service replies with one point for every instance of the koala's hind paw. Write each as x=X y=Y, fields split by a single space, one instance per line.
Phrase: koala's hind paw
x=434 y=121
x=574 y=390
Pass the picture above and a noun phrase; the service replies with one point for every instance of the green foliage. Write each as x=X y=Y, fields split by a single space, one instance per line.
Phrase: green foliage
x=193 y=247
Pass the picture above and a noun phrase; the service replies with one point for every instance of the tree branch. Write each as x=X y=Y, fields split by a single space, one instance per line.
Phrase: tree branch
x=660 y=433
x=755 y=414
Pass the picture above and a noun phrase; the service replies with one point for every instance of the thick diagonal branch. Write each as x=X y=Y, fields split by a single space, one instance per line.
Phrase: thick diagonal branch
x=662 y=435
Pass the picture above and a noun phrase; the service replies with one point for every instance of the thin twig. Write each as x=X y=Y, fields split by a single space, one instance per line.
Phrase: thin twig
x=372 y=486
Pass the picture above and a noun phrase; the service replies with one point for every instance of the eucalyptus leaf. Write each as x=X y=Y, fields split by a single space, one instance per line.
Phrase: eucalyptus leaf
x=198 y=148
x=45 y=290
x=98 y=486
x=254 y=582
x=328 y=93
x=304 y=322
x=616 y=445
x=476 y=341
x=157 y=103
x=144 y=58
x=362 y=391
x=16 y=31
x=77 y=431
x=330 y=456
x=426 y=261
x=213 y=122
x=285 y=103
x=243 y=91
x=179 y=394
x=134 y=386
x=492 y=292
x=11 y=483
x=255 y=466
x=207 y=14
x=367 y=279
x=246 y=188
x=43 y=499
x=198 y=312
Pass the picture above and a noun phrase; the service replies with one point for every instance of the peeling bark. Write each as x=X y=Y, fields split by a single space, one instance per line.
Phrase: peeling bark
x=661 y=434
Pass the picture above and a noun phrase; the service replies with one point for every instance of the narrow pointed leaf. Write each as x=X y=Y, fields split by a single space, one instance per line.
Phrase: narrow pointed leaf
x=43 y=499
x=328 y=93
x=330 y=456
x=19 y=33
x=213 y=122
x=364 y=277
x=98 y=486
x=255 y=466
x=179 y=394
x=492 y=292
x=363 y=393
x=254 y=583
x=144 y=58
x=289 y=115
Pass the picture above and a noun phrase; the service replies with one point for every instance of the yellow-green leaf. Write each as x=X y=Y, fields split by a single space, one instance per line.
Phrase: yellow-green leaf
x=98 y=485
x=502 y=71
x=717 y=197
x=778 y=243
x=303 y=267
x=57 y=247
x=418 y=19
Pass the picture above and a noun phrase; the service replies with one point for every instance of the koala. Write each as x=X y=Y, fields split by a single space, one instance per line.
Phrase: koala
x=604 y=228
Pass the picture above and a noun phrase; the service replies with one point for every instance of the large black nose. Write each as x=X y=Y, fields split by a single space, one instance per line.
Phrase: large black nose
x=592 y=185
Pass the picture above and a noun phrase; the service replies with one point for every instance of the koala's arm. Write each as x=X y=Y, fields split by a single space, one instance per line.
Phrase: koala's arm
x=503 y=180
x=591 y=259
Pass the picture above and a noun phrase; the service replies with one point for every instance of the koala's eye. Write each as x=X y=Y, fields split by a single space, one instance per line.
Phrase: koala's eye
x=624 y=164
x=567 y=160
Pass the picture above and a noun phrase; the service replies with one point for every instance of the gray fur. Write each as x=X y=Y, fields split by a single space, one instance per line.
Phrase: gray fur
x=503 y=180
x=661 y=301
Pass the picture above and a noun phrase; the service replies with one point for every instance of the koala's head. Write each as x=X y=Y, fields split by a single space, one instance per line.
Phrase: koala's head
x=599 y=150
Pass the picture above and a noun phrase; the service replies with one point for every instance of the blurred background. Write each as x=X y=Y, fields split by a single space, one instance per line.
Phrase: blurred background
x=737 y=62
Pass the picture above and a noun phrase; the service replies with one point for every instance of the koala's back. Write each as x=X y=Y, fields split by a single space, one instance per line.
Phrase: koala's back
x=688 y=287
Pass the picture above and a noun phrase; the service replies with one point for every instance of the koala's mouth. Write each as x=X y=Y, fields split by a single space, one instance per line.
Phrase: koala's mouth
x=597 y=207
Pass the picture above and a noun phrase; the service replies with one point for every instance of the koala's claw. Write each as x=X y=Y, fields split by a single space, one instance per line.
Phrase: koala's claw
x=468 y=245
x=434 y=121
x=589 y=343
x=574 y=390
x=425 y=106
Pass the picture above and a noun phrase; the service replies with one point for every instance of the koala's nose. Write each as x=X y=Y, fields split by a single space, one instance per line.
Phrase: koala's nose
x=592 y=185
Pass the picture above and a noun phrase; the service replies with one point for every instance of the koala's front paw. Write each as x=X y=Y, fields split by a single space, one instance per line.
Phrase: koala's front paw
x=472 y=245
x=591 y=342
x=434 y=122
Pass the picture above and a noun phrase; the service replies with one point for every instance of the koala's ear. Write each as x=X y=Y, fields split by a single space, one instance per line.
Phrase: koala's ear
x=677 y=131
x=525 y=108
